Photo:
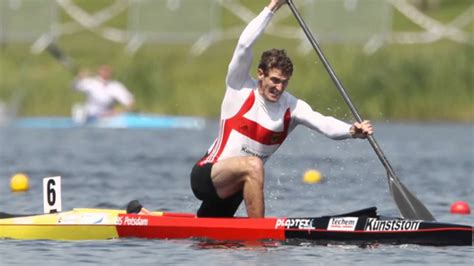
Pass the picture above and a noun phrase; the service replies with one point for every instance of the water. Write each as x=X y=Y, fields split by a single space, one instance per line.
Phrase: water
x=107 y=168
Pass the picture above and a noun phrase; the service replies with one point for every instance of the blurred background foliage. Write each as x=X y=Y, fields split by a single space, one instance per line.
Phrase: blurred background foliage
x=422 y=82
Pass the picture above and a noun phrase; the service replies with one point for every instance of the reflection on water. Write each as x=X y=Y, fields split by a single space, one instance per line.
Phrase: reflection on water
x=260 y=245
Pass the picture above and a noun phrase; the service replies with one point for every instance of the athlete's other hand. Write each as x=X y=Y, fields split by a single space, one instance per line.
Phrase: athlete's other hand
x=361 y=130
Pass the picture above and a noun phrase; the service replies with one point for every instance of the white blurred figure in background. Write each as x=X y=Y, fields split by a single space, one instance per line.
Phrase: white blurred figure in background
x=103 y=94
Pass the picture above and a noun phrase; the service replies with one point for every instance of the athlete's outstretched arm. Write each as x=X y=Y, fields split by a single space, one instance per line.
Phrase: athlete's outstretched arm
x=239 y=67
x=327 y=125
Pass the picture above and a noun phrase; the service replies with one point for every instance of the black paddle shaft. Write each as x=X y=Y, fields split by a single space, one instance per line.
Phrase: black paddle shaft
x=409 y=205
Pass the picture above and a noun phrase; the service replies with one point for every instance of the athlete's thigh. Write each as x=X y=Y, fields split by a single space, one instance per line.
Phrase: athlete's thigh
x=228 y=175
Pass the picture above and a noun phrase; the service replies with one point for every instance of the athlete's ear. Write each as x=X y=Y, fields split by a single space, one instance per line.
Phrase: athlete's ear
x=260 y=74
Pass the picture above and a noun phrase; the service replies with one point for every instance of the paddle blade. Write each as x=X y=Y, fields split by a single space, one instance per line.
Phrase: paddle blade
x=410 y=207
x=61 y=57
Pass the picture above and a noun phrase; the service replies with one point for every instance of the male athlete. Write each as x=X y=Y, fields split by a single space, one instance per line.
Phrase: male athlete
x=256 y=117
x=102 y=94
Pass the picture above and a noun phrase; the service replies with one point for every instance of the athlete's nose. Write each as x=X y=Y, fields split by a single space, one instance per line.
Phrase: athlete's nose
x=280 y=87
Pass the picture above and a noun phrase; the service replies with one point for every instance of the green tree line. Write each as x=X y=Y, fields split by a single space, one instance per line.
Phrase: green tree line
x=430 y=82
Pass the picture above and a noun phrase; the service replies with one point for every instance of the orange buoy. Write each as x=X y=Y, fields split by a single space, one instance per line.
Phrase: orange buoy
x=460 y=207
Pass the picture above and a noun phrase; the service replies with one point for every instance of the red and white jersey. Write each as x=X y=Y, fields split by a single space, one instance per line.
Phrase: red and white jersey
x=253 y=126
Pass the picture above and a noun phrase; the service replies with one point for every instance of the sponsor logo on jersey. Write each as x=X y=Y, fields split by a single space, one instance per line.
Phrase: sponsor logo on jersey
x=275 y=138
x=247 y=150
x=342 y=224
x=295 y=223
x=391 y=225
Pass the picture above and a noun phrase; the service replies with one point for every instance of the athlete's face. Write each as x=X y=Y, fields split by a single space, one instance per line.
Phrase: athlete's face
x=272 y=85
x=105 y=72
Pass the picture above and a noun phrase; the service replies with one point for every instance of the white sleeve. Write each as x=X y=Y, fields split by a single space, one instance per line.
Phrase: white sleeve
x=83 y=84
x=122 y=95
x=239 y=67
x=327 y=125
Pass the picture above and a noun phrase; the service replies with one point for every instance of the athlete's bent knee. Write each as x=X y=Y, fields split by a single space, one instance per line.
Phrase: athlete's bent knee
x=254 y=166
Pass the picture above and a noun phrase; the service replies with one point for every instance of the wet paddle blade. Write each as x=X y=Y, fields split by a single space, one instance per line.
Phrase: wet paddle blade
x=410 y=206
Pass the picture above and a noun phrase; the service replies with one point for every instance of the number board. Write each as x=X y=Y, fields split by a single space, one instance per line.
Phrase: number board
x=52 y=194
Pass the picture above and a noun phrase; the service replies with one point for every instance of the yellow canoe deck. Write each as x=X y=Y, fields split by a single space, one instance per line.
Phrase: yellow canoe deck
x=78 y=224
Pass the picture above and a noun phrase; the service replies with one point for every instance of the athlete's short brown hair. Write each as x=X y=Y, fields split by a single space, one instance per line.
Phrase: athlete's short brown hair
x=276 y=58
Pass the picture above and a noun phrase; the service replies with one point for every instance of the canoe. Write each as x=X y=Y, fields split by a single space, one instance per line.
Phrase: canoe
x=359 y=227
x=125 y=120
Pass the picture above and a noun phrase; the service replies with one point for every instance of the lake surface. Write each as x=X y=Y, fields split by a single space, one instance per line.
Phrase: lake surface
x=107 y=168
